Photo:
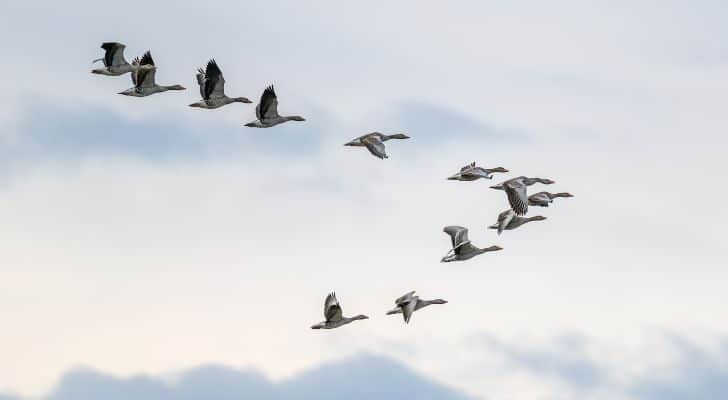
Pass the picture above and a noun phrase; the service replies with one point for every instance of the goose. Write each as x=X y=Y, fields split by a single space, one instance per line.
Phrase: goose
x=462 y=249
x=212 y=88
x=374 y=142
x=517 y=193
x=543 y=199
x=267 y=111
x=471 y=173
x=409 y=303
x=508 y=220
x=113 y=59
x=334 y=317
x=143 y=79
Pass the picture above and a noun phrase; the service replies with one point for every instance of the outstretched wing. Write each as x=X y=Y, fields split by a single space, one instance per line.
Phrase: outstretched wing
x=458 y=235
x=114 y=54
x=146 y=59
x=467 y=167
x=268 y=106
x=332 y=309
x=404 y=298
x=143 y=77
x=214 y=81
x=517 y=195
x=375 y=146
x=408 y=308
x=504 y=219
x=201 y=81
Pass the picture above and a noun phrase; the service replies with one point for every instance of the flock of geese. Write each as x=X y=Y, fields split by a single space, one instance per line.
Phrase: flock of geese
x=212 y=92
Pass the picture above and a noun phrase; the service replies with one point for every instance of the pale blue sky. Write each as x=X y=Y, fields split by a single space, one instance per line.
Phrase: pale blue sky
x=144 y=238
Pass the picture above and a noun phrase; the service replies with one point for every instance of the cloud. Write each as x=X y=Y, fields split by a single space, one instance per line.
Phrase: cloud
x=361 y=377
x=565 y=360
x=689 y=372
x=697 y=375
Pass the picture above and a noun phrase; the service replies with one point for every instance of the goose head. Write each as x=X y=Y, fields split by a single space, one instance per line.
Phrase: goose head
x=320 y=325
x=537 y=218
x=492 y=248
x=241 y=100
x=295 y=118
x=499 y=169
x=438 y=301
x=355 y=142
x=360 y=316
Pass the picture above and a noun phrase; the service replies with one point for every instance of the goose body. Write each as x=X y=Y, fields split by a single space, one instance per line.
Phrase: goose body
x=114 y=62
x=527 y=181
x=409 y=303
x=267 y=111
x=543 y=199
x=462 y=249
x=334 y=316
x=374 y=142
x=143 y=78
x=212 y=88
x=508 y=220
x=471 y=172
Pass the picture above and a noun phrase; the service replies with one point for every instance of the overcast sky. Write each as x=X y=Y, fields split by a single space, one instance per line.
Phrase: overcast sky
x=141 y=237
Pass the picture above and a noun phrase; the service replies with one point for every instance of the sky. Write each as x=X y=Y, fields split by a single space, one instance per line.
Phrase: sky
x=154 y=250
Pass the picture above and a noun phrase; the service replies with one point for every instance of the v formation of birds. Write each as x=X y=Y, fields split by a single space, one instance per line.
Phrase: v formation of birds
x=212 y=92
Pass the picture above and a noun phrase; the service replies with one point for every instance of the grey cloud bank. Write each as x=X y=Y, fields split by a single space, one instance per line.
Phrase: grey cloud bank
x=361 y=377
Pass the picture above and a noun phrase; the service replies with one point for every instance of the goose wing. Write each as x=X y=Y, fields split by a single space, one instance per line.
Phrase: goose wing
x=201 y=81
x=332 y=309
x=458 y=236
x=268 y=106
x=114 y=54
x=404 y=298
x=145 y=63
x=408 y=308
x=468 y=167
x=504 y=219
x=143 y=77
x=214 y=81
x=375 y=146
x=517 y=195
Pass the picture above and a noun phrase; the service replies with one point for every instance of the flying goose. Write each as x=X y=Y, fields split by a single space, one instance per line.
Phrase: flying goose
x=543 y=199
x=462 y=249
x=409 y=303
x=471 y=173
x=374 y=142
x=508 y=220
x=212 y=88
x=334 y=317
x=143 y=79
x=517 y=193
x=113 y=59
x=267 y=111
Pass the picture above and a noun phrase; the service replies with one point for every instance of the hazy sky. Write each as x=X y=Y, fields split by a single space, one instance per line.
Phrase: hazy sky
x=140 y=236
